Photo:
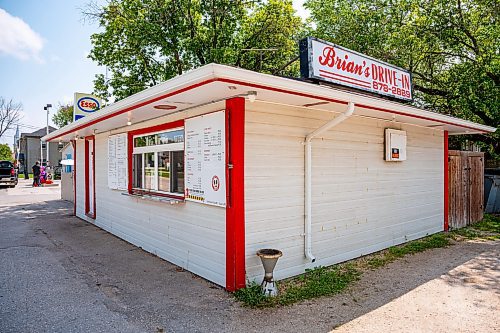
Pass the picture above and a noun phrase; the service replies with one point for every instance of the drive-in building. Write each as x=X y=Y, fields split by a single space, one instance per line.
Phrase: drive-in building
x=206 y=168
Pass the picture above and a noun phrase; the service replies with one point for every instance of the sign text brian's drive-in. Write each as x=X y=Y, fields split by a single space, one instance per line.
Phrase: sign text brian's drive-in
x=329 y=62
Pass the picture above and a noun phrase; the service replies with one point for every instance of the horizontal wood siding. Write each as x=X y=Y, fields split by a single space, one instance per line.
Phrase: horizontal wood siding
x=361 y=203
x=190 y=235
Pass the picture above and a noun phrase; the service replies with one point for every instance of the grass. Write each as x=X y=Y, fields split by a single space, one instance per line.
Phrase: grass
x=393 y=253
x=325 y=281
x=488 y=228
x=320 y=281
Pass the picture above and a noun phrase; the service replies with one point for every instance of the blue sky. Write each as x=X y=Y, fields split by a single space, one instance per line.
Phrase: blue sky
x=43 y=55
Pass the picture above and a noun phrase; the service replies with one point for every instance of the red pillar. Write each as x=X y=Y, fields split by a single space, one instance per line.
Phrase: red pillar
x=446 y=180
x=235 y=193
x=73 y=144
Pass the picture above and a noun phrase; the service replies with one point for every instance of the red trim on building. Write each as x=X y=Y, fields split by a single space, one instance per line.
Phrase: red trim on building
x=235 y=193
x=73 y=143
x=133 y=107
x=446 y=182
x=87 y=180
x=130 y=150
x=333 y=100
x=343 y=102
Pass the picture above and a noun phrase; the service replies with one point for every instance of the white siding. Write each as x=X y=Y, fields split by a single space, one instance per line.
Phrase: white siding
x=361 y=204
x=190 y=235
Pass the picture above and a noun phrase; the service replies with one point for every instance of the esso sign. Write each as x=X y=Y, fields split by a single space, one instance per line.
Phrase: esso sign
x=88 y=104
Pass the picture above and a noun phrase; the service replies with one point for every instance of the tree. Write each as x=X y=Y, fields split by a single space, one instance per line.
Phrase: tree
x=10 y=114
x=145 y=42
x=5 y=153
x=452 y=47
x=63 y=116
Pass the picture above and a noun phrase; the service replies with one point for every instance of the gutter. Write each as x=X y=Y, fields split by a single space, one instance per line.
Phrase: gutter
x=308 y=177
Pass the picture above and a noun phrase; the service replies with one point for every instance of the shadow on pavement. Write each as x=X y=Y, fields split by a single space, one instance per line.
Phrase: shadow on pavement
x=155 y=294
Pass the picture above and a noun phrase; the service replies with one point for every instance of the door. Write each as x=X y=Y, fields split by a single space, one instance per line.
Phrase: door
x=476 y=188
x=90 y=177
x=466 y=192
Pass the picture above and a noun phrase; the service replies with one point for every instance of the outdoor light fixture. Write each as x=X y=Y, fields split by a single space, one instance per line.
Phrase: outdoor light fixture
x=46 y=108
x=252 y=95
x=129 y=123
x=165 y=107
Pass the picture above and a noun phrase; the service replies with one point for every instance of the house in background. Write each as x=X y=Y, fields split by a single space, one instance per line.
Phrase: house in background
x=29 y=149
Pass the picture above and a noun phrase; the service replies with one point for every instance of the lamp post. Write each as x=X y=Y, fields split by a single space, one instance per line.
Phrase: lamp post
x=46 y=143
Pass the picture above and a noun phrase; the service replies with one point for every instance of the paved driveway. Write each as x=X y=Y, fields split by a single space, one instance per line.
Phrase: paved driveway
x=60 y=274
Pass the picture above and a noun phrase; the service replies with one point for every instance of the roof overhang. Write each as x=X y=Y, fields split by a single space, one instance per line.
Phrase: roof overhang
x=212 y=83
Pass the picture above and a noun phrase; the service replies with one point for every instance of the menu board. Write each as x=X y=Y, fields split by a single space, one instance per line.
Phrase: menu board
x=205 y=159
x=117 y=162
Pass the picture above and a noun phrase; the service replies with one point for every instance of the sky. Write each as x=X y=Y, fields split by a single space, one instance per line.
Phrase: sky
x=43 y=56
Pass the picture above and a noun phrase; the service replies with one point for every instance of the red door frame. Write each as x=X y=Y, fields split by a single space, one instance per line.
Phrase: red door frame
x=87 y=180
x=73 y=144
x=235 y=194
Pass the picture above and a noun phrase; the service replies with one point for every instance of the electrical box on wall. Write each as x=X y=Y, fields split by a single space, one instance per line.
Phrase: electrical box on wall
x=395 y=145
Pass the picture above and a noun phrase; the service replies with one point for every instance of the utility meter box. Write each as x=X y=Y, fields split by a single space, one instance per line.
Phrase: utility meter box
x=395 y=145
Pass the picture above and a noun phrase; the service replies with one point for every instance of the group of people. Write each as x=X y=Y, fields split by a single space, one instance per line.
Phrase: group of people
x=40 y=174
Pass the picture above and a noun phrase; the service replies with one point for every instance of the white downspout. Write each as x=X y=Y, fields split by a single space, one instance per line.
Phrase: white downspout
x=308 y=179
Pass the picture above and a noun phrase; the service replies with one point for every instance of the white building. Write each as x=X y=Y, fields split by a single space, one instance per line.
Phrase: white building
x=205 y=169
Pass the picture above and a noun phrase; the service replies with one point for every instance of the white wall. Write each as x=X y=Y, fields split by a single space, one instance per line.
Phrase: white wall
x=361 y=204
x=190 y=235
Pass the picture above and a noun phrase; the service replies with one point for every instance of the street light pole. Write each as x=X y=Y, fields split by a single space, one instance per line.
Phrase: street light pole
x=47 y=143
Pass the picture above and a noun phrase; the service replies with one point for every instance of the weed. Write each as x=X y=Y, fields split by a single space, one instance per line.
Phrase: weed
x=252 y=296
x=488 y=228
x=384 y=257
x=320 y=281
x=324 y=281
x=490 y=223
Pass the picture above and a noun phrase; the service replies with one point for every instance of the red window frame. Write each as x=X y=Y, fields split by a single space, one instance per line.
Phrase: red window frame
x=143 y=131
x=87 y=180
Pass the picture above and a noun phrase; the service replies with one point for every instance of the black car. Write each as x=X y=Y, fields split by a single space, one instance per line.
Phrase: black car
x=8 y=174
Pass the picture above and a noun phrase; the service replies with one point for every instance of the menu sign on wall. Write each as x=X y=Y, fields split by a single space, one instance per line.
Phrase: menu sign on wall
x=117 y=162
x=205 y=159
x=329 y=62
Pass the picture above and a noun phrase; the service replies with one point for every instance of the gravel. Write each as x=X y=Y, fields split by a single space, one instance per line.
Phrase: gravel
x=60 y=274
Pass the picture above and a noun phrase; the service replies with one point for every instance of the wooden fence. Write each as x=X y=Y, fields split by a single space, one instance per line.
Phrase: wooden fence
x=466 y=187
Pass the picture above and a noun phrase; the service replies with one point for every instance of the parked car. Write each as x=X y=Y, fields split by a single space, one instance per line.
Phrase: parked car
x=8 y=174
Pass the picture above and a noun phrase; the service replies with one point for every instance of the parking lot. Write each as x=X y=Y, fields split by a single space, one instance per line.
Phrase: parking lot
x=60 y=274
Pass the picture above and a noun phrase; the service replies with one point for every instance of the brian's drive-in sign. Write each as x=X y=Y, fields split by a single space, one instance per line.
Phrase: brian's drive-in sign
x=85 y=104
x=328 y=62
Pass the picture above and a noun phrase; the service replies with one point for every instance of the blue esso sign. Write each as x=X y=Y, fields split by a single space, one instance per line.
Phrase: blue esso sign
x=85 y=104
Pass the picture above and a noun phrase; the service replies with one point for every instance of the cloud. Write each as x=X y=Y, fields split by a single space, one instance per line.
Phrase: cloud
x=18 y=39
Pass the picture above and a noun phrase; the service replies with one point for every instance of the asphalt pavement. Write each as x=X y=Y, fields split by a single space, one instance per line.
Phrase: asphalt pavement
x=61 y=274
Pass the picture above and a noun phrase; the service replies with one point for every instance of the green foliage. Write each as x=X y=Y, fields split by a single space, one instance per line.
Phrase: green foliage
x=145 y=42
x=63 y=116
x=5 y=153
x=252 y=296
x=488 y=228
x=451 y=47
x=396 y=252
x=490 y=223
x=320 y=281
x=324 y=281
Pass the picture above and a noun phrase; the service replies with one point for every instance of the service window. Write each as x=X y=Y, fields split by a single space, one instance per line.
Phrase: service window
x=158 y=162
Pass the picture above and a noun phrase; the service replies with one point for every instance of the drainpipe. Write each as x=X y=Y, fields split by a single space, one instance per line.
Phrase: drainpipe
x=308 y=179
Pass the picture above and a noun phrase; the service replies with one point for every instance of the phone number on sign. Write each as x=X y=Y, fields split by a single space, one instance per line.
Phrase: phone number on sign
x=394 y=90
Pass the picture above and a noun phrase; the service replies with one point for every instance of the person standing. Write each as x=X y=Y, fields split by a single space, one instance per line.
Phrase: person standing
x=36 y=174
